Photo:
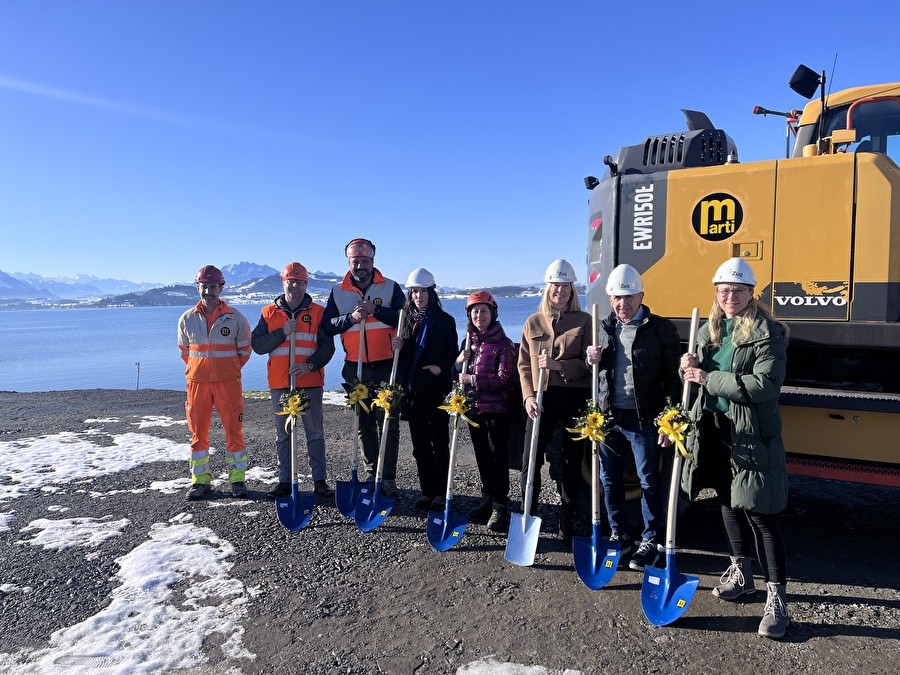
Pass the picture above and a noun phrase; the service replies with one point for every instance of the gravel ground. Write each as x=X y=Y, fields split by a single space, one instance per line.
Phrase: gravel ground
x=332 y=599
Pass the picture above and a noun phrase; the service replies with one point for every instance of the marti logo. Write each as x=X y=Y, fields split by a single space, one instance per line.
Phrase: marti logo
x=225 y=331
x=717 y=216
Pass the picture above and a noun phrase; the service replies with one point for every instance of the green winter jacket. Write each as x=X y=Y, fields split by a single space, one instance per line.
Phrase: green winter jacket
x=759 y=475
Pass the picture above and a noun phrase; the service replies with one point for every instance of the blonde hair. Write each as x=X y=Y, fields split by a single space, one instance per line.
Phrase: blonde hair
x=743 y=322
x=574 y=304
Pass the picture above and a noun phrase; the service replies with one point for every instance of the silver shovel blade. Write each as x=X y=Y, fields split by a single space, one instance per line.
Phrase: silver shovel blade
x=522 y=542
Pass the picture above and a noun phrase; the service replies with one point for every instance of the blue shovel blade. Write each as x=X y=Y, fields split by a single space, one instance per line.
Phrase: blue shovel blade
x=295 y=511
x=445 y=529
x=596 y=559
x=521 y=545
x=346 y=494
x=372 y=508
x=666 y=593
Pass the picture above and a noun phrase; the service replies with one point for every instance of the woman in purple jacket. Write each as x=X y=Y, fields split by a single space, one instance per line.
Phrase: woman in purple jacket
x=492 y=373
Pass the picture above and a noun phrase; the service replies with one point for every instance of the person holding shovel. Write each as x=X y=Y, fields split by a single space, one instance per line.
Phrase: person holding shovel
x=737 y=447
x=560 y=328
x=366 y=295
x=295 y=320
x=214 y=341
x=638 y=362
x=491 y=374
x=427 y=345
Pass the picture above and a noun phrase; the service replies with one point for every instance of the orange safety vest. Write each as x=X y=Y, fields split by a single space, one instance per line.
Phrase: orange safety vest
x=378 y=334
x=305 y=344
x=214 y=351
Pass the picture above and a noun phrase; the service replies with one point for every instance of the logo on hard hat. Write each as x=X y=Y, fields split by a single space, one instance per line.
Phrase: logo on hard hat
x=717 y=216
x=225 y=331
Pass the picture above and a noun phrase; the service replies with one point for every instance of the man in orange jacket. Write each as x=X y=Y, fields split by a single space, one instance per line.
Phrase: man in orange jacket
x=214 y=341
x=366 y=295
x=295 y=319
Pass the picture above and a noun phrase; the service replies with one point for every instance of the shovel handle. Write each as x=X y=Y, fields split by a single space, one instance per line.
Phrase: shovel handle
x=532 y=451
x=362 y=350
x=468 y=345
x=595 y=397
x=387 y=413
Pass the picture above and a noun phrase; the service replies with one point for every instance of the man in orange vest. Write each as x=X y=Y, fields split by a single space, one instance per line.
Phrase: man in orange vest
x=214 y=341
x=295 y=318
x=365 y=294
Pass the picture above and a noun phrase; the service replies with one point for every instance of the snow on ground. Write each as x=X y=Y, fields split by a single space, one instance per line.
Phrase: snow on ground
x=148 y=627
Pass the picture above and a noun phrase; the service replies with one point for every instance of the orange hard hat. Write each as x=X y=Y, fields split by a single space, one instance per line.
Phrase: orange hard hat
x=210 y=274
x=294 y=270
x=481 y=298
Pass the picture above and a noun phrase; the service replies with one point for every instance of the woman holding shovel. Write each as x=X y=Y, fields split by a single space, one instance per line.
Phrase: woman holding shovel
x=491 y=375
x=564 y=331
x=737 y=449
x=425 y=371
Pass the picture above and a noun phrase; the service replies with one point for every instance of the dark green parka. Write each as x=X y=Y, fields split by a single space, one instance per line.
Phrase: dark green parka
x=759 y=474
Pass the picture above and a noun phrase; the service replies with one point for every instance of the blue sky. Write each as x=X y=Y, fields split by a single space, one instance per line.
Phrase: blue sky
x=142 y=139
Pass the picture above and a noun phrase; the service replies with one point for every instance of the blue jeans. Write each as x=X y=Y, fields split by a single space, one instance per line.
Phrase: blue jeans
x=627 y=435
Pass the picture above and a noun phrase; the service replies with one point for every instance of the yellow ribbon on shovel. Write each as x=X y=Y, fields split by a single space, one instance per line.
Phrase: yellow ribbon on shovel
x=458 y=404
x=674 y=429
x=359 y=395
x=295 y=405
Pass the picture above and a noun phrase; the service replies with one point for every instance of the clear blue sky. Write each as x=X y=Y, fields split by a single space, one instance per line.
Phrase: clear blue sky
x=144 y=138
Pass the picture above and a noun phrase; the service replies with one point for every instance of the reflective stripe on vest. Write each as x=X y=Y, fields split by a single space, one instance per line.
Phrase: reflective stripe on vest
x=378 y=334
x=214 y=353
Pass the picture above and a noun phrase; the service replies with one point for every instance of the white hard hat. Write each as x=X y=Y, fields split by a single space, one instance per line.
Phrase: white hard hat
x=560 y=272
x=420 y=278
x=735 y=271
x=624 y=280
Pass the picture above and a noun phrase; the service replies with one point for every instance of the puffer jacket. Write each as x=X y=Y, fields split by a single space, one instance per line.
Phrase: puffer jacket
x=493 y=367
x=759 y=473
x=655 y=354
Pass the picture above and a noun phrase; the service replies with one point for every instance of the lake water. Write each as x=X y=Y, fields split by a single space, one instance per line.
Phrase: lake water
x=64 y=349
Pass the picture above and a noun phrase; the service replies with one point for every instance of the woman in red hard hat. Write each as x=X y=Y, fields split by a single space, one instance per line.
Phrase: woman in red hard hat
x=214 y=341
x=492 y=374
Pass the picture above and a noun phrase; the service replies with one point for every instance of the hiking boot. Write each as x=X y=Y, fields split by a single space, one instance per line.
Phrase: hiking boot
x=566 y=528
x=646 y=554
x=775 y=617
x=499 y=520
x=197 y=491
x=281 y=490
x=625 y=543
x=424 y=503
x=483 y=511
x=322 y=490
x=239 y=490
x=736 y=581
x=389 y=488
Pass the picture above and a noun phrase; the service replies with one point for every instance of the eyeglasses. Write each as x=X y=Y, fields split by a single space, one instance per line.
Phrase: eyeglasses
x=735 y=292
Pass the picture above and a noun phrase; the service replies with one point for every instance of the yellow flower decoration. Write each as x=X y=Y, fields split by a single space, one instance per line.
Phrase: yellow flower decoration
x=388 y=397
x=674 y=423
x=593 y=425
x=457 y=403
x=359 y=394
x=295 y=403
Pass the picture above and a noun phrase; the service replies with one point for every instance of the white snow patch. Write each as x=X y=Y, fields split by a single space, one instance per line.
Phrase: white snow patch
x=5 y=519
x=101 y=420
x=59 y=534
x=490 y=666
x=157 y=421
x=58 y=508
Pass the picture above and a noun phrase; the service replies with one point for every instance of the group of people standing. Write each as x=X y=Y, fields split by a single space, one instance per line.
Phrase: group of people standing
x=738 y=366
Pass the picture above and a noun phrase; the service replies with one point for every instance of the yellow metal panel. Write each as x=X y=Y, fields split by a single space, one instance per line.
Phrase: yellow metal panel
x=710 y=212
x=814 y=223
x=877 y=243
x=860 y=435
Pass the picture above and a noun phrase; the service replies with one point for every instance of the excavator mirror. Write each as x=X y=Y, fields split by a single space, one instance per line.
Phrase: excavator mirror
x=805 y=81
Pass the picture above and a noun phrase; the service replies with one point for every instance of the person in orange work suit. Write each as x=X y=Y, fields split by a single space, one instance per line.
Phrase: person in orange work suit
x=214 y=341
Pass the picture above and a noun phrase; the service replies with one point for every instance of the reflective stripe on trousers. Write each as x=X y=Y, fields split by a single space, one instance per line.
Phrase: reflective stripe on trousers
x=228 y=399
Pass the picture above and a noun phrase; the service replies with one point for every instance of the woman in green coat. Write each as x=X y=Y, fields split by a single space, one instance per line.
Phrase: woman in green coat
x=737 y=447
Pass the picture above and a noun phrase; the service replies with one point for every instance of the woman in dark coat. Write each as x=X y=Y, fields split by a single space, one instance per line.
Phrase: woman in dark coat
x=737 y=447
x=425 y=372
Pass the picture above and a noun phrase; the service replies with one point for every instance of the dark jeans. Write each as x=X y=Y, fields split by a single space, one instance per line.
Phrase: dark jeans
x=741 y=526
x=490 y=440
x=371 y=424
x=431 y=450
x=561 y=406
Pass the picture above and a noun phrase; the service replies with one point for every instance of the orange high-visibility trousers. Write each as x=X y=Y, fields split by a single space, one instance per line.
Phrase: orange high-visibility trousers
x=228 y=399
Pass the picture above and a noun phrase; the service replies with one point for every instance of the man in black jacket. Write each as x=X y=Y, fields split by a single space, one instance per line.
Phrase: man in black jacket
x=638 y=358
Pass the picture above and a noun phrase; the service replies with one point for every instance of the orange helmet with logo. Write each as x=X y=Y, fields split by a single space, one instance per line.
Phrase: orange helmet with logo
x=210 y=274
x=294 y=270
x=480 y=298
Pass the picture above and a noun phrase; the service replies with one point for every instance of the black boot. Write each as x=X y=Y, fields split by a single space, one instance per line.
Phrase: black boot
x=483 y=510
x=566 y=513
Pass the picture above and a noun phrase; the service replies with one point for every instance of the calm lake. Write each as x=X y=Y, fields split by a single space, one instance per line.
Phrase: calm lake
x=64 y=349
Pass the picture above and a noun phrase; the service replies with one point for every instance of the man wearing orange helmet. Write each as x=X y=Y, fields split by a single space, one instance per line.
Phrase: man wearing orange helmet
x=214 y=341
x=366 y=295
x=295 y=320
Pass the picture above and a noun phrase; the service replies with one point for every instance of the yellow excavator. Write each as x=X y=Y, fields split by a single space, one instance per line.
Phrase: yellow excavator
x=821 y=229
